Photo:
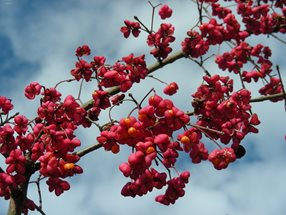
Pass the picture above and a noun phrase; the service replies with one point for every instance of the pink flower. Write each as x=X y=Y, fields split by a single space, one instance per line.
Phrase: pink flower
x=83 y=50
x=33 y=90
x=131 y=27
x=82 y=70
x=222 y=157
x=58 y=185
x=21 y=123
x=165 y=11
x=5 y=104
x=16 y=162
x=171 y=89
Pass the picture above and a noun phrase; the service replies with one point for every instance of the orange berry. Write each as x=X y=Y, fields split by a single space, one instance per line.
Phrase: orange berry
x=115 y=149
x=127 y=122
x=142 y=117
x=95 y=94
x=150 y=150
x=132 y=131
x=185 y=140
x=69 y=166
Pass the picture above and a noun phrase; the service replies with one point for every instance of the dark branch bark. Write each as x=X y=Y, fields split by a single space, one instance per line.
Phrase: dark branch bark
x=40 y=210
x=18 y=198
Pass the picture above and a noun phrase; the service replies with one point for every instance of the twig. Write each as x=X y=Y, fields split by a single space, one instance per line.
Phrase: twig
x=80 y=89
x=111 y=108
x=190 y=113
x=269 y=97
x=207 y=129
x=159 y=157
x=277 y=38
x=157 y=79
x=241 y=80
x=8 y=118
x=282 y=85
x=144 y=26
x=39 y=191
x=211 y=138
x=150 y=91
x=89 y=149
x=200 y=64
x=69 y=80
x=199 y=7
x=153 y=12
x=40 y=210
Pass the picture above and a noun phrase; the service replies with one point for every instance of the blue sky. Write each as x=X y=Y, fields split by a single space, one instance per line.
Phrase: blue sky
x=38 y=39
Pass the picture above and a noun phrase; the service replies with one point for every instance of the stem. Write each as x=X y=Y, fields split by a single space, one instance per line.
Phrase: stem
x=152 y=90
x=277 y=38
x=69 y=80
x=207 y=129
x=40 y=210
x=80 y=88
x=157 y=79
x=88 y=149
x=269 y=97
x=199 y=6
x=241 y=80
x=200 y=64
x=39 y=192
x=283 y=89
x=153 y=12
x=8 y=118
x=144 y=26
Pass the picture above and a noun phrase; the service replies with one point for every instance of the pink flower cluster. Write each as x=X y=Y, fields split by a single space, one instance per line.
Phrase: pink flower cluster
x=150 y=137
x=161 y=40
x=165 y=11
x=220 y=109
x=123 y=73
x=130 y=27
x=48 y=147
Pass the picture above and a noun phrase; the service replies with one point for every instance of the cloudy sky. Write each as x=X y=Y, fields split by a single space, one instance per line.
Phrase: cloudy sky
x=38 y=39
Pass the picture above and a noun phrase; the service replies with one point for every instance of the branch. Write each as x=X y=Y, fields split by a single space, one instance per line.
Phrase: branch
x=89 y=149
x=269 y=97
x=40 y=210
x=277 y=38
x=282 y=85
x=153 y=67
x=1 y=170
x=9 y=118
